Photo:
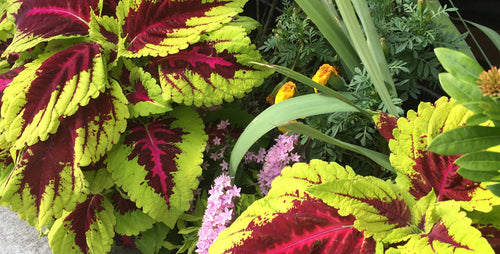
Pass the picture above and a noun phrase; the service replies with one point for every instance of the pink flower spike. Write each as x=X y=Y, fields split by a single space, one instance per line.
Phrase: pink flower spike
x=223 y=125
x=219 y=212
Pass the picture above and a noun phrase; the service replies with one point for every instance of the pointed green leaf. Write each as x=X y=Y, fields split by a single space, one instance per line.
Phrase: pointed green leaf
x=330 y=28
x=86 y=229
x=379 y=158
x=480 y=161
x=492 y=34
x=215 y=69
x=458 y=64
x=157 y=163
x=468 y=94
x=465 y=140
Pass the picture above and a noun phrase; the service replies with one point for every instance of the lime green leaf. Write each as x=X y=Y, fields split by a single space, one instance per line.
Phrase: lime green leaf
x=297 y=107
x=160 y=28
x=130 y=220
x=151 y=241
x=480 y=161
x=460 y=65
x=143 y=92
x=50 y=89
x=468 y=94
x=465 y=139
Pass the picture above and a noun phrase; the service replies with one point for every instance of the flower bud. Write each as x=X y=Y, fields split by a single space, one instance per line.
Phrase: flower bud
x=286 y=92
x=323 y=74
x=384 y=46
x=422 y=4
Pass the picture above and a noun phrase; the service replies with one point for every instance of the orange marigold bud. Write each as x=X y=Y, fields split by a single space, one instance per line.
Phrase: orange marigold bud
x=489 y=82
x=286 y=92
x=323 y=74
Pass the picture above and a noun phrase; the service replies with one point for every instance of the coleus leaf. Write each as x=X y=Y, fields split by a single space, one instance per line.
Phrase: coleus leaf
x=160 y=28
x=449 y=231
x=38 y=21
x=379 y=206
x=130 y=220
x=157 y=163
x=49 y=89
x=7 y=77
x=289 y=220
x=86 y=229
x=47 y=177
x=420 y=171
x=143 y=92
x=489 y=225
x=216 y=68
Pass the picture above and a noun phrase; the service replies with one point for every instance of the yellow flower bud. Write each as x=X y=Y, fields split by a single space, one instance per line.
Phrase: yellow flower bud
x=286 y=92
x=323 y=74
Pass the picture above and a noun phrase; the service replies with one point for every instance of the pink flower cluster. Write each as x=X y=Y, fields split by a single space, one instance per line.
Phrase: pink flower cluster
x=278 y=157
x=219 y=212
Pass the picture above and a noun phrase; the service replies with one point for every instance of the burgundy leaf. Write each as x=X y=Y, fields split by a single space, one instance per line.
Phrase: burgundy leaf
x=82 y=217
x=155 y=149
x=440 y=234
x=62 y=83
x=311 y=226
x=7 y=77
x=439 y=172
x=152 y=21
x=385 y=124
x=48 y=18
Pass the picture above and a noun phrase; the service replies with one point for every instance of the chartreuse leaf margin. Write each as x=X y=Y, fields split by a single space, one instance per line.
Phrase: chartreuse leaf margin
x=158 y=163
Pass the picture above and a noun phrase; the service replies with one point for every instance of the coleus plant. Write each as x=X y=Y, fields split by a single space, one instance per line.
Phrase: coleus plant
x=322 y=207
x=98 y=135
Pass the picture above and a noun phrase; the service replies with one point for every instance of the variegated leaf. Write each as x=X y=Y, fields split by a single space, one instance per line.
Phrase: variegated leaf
x=89 y=228
x=143 y=92
x=160 y=28
x=289 y=220
x=420 y=171
x=158 y=163
x=448 y=230
x=50 y=89
x=215 y=69
x=38 y=21
x=380 y=207
x=47 y=177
